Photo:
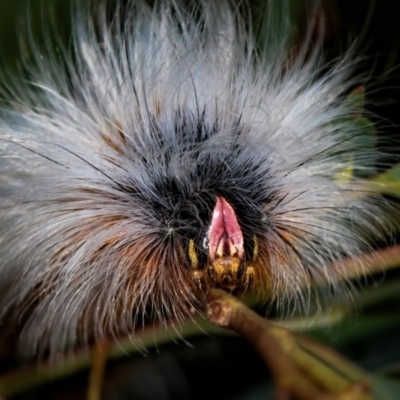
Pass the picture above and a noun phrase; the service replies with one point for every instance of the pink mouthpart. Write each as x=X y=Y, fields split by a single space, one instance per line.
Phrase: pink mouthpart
x=225 y=237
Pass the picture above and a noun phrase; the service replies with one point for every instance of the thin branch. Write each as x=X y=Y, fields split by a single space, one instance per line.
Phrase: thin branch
x=97 y=369
x=302 y=369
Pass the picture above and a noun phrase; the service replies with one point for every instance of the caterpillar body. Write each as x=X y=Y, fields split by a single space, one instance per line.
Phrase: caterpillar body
x=170 y=152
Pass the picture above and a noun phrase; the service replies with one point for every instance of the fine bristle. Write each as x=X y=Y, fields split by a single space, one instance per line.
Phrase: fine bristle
x=112 y=160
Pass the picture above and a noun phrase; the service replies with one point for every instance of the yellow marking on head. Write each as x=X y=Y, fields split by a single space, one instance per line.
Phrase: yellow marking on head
x=194 y=261
x=255 y=248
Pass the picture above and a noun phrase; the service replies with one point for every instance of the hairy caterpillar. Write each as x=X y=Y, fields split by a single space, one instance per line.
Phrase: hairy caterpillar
x=169 y=152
